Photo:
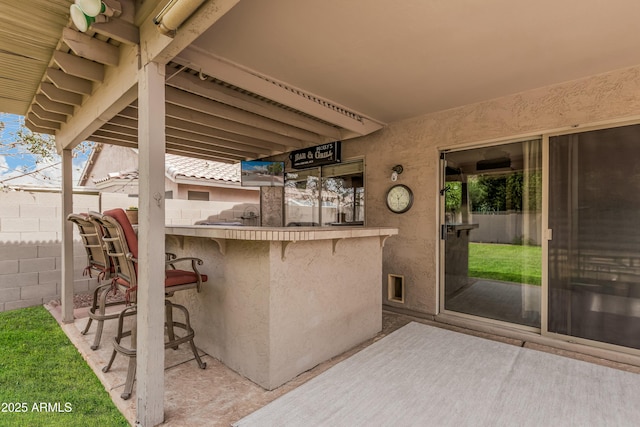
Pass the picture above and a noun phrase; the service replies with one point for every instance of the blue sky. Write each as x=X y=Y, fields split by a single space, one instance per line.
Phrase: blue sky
x=19 y=168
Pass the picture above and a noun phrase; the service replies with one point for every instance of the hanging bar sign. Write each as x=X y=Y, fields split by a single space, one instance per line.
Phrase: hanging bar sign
x=319 y=155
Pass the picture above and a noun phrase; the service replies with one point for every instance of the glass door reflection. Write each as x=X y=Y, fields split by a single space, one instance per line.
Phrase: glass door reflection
x=492 y=232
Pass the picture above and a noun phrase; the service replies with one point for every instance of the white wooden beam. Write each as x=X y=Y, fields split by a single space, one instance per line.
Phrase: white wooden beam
x=130 y=111
x=245 y=141
x=213 y=108
x=119 y=143
x=35 y=129
x=194 y=84
x=150 y=317
x=162 y=49
x=326 y=110
x=68 y=82
x=116 y=136
x=118 y=29
x=46 y=124
x=47 y=115
x=231 y=126
x=111 y=127
x=195 y=148
x=67 y=237
x=125 y=122
x=59 y=95
x=210 y=144
x=187 y=138
x=117 y=91
x=201 y=154
x=128 y=118
x=79 y=67
x=54 y=107
x=90 y=48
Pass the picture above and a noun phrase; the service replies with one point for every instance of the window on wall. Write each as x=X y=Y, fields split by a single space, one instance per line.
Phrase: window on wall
x=198 y=195
x=329 y=195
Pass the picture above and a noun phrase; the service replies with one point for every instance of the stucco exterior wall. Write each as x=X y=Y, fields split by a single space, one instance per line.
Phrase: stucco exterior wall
x=415 y=143
x=112 y=158
x=271 y=312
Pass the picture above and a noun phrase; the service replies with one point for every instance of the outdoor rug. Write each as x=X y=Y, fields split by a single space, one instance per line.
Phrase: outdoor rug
x=426 y=376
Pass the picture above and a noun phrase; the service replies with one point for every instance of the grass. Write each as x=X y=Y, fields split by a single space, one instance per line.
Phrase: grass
x=510 y=263
x=43 y=375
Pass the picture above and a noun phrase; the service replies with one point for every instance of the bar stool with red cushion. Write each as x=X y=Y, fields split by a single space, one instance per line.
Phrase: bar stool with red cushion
x=121 y=243
x=100 y=263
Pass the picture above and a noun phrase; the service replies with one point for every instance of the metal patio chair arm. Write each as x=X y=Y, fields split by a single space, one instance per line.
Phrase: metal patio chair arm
x=194 y=267
x=194 y=262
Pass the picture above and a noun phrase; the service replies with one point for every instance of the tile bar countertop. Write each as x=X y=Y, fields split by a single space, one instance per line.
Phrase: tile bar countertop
x=286 y=234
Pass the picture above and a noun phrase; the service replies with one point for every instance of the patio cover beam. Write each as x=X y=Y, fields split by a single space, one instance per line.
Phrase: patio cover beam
x=68 y=82
x=187 y=114
x=240 y=133
x=151 y=268
x=116 y=92
x=353 y=122
x=217 y=92
x=217 y=109
x=67 y=237
x=230 y=150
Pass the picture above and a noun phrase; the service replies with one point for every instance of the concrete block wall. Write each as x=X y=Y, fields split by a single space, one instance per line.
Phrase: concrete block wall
x=188 y=212
x=31 y=236
x=30 y=248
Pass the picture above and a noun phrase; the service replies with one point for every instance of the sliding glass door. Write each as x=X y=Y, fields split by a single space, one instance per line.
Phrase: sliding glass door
x=594 y=251
x=492 y=205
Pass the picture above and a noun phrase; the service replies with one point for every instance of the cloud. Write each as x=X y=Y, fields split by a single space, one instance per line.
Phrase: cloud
x=4 y=166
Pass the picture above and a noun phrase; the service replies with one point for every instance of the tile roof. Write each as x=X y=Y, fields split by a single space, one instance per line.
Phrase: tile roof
x=187 y=167
x=180 y=166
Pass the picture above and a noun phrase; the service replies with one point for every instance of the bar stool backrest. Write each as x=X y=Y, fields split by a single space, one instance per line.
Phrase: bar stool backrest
x=91 y=236
x=122 y=246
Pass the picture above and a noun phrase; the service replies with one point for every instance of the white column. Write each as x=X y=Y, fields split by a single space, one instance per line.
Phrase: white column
x=67 y=238
x=150 y=319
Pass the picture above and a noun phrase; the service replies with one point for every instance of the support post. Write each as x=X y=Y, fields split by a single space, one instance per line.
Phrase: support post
x=67 y=238
x=150 y=295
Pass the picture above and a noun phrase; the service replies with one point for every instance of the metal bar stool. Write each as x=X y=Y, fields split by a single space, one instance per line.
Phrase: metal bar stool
x=121 y=244
x=98 y=261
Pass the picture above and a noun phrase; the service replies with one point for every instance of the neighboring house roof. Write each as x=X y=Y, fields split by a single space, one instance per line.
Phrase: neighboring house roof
x=130 y=174
x=177 y=167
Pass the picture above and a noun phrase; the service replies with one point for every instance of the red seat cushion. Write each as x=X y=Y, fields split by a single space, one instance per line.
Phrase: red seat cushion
x=172 y=277
x=129 y=233
x=181 y=277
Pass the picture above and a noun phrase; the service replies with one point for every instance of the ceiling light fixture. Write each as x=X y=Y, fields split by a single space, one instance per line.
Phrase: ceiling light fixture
x=85 y=12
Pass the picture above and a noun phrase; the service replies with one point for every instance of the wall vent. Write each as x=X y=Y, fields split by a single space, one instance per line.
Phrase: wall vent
x=395 y=287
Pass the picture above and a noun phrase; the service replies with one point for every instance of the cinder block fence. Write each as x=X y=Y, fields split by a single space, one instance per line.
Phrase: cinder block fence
x=31 y=239
x=30 y=247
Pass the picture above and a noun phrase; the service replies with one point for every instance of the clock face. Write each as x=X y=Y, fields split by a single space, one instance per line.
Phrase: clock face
x=399 y=198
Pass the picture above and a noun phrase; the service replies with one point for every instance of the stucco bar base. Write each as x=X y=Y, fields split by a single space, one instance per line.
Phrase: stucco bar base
x=279 y=302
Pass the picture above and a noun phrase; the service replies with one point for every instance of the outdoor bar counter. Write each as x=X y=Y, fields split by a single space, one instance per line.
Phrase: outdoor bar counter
x=281 y=300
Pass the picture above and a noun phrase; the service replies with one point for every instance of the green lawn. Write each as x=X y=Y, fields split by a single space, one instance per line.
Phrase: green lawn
x=511 y=263
x=43 y=379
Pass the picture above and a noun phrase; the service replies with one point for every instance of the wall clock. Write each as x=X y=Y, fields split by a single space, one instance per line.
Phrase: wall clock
x=399 y=198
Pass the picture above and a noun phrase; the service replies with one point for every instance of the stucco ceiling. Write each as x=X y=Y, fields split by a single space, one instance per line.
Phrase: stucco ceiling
x=394 y=60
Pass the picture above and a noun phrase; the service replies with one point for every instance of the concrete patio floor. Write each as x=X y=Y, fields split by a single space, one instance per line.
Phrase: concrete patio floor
x=218 y=396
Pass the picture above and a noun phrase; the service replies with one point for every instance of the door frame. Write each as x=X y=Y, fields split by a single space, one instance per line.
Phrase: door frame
x=441 y=222
x=547 y=235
